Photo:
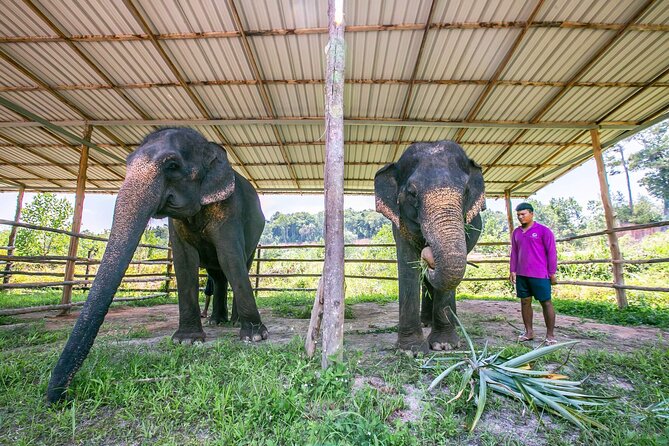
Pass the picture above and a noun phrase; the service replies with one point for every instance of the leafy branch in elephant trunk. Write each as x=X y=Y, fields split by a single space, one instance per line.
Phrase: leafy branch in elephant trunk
x=536 y=389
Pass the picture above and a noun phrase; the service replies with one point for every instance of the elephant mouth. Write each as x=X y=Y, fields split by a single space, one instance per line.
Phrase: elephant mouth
x=428 y=257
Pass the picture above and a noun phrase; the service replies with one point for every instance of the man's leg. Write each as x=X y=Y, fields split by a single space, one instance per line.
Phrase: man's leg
x=207 y=299
x=549 y=318
x=526 y=311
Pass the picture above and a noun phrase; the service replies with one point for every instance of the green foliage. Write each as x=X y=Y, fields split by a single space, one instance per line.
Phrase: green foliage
x=49 y=211
x=653 y=159
x=645 y=211
x=304 y=227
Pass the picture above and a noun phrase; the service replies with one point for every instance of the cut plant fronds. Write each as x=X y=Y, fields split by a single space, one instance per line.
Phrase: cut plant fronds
x=539 y=390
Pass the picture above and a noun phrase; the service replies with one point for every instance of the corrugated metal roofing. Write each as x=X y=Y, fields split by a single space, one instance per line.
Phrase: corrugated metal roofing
x=471 y=70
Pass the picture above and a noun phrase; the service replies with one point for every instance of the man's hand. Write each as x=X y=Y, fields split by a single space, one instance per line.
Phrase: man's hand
x=512 y=278
x=553 y=280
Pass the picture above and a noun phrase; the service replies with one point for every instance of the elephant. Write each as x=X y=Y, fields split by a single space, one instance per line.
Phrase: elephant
x=215 y=222
x=433 y=195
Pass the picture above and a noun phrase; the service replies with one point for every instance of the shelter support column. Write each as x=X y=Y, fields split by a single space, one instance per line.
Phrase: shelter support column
x=12 y=233
x=509 y=211
x=616 y=256
x=333 y=267
x=76 y=221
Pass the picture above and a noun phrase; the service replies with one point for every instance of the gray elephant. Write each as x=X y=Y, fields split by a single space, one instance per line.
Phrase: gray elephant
x=215 y=222
x=433 y=195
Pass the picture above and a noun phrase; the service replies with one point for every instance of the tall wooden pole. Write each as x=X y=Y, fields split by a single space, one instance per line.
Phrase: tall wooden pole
x=12 y=233
x=76 y=221
x=509 y=212
x=333 y=268
x=618 y=277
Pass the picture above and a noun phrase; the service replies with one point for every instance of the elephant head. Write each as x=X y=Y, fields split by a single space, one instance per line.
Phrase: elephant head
x=174 y=172
x=433 y=194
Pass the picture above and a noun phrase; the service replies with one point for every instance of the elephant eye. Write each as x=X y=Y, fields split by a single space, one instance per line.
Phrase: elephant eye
x=172 y=165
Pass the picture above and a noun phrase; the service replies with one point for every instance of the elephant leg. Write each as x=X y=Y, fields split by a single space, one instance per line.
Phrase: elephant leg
x=409 y=331
x=443 y=335
x=234 y=267
x=235 y=315
x=219 y=309
x=426 y=304
x=186 y=261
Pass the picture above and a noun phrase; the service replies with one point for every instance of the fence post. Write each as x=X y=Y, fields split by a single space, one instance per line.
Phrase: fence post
x=333 y=268
x=168 y=269
x=76 y=221
x=12 y=233
x=258 y=257
x=616 y=256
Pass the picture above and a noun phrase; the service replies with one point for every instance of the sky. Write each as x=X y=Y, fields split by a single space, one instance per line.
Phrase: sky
x=581 y=183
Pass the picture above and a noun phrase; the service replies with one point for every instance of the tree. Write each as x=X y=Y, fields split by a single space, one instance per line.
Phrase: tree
x=616 y=163
x=49 y=211
x=654 y=159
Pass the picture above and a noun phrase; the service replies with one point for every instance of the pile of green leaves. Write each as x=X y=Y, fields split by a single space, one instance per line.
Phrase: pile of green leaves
x=537 y=389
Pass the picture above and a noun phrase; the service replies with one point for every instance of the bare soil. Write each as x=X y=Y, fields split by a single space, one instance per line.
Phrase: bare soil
x=498 y=322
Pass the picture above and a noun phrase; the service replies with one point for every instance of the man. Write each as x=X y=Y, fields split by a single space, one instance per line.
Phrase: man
x=533 y=267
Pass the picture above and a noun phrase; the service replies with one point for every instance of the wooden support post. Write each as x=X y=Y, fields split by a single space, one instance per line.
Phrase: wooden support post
x=87 y=275
x=76 y=221
x=12 y=233
x=616 y=256
x=333 y=268
x=258 y=256
x=509 y=212
x=315 y=321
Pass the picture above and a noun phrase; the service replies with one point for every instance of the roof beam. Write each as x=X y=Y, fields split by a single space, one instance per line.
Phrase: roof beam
x=217 y=83
x=645 y=27
x=317 y=120
x=500 y=69
x=404 y=114
x=182 y=82
x=7 y=58
x=48 y=159
x=603 y=49
x=267 y=102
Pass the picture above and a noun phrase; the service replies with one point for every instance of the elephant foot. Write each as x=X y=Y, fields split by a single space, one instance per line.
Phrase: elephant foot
x=443 y=340
x=414 y=343
x=188 y=337
x=251 y=332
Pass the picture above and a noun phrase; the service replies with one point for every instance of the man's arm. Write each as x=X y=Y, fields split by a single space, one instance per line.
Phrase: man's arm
x=551 y=255
x=513 y=263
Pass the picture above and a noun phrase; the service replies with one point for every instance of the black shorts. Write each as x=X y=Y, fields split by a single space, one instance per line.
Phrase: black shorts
x=533 y=286
x=209 y=287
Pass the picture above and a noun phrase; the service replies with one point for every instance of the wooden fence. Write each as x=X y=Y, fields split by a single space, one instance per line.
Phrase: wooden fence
x=166 y=279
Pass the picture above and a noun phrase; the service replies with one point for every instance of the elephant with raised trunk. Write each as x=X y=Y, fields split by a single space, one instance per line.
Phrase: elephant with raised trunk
x=215 y=221
x=433 y=195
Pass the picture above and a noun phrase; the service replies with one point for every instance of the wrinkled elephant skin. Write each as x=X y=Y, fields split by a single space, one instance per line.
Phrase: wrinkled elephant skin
x=433 y=195
x=215 y=222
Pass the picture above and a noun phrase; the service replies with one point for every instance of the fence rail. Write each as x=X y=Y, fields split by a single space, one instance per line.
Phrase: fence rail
x=257 y=275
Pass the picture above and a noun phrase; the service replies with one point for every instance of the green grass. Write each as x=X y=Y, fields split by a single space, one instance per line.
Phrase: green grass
x=227 y=392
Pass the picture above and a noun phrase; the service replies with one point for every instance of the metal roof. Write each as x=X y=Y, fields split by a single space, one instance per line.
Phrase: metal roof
x=519 y=84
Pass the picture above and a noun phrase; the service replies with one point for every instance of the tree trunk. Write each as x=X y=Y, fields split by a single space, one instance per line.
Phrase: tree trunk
x=623 y=163
x=333 y=268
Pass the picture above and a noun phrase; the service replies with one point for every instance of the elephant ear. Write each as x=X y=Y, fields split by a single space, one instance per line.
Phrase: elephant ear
x=219 y=178
x=474 y=199
x=385 y=190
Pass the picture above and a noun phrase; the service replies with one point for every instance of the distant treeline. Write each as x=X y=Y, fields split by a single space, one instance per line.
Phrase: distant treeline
x=304 y=227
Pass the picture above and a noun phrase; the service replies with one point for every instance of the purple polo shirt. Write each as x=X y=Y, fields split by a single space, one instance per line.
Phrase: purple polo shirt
x=533 y=252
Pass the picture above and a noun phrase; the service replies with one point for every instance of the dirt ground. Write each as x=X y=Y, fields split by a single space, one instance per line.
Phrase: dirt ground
x=498 y=322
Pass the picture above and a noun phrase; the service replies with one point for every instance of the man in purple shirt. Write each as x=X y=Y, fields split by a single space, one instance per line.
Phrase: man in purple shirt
x=533 y=267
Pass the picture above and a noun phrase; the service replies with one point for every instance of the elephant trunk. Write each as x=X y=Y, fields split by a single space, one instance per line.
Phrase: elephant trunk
x=444 y=232
x=138 y=200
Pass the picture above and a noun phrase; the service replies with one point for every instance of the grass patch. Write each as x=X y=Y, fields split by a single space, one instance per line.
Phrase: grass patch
x=228 y=392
